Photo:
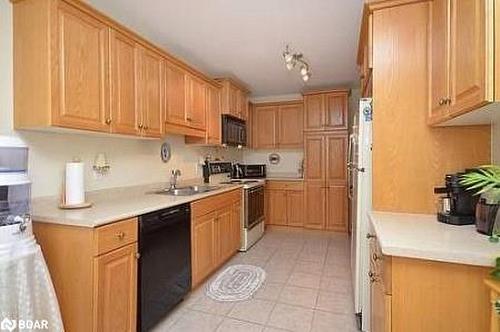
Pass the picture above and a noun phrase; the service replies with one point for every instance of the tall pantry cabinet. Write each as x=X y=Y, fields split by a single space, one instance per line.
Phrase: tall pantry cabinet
x=325 y=149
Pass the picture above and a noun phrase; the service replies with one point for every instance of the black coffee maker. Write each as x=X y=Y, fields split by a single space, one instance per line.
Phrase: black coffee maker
x=457 y=205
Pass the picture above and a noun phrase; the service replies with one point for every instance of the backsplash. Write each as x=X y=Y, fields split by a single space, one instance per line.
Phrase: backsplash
x=290 y=161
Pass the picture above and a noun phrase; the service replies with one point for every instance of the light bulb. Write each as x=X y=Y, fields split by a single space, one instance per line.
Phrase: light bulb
x=306 y=77
x=290 y=65
x=304 y=70
x=288 y=57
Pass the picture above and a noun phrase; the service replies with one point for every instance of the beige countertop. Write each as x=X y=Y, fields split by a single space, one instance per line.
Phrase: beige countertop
x=114 y=204
x=421 y=236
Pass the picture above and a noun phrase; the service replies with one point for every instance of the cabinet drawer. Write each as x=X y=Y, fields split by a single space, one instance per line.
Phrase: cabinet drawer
x=213 y=203
x=284 y=185
x=115 y=235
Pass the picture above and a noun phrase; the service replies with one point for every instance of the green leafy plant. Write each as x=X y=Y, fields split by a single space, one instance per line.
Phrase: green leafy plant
x=485 y=180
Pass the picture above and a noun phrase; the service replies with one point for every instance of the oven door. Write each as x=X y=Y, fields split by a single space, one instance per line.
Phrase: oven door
x=254 y=206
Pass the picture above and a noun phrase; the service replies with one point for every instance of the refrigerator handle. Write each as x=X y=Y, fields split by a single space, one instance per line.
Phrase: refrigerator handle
x=349 y=167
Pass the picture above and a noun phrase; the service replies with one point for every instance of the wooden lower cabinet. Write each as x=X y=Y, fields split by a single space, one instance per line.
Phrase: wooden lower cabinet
x=337 y=208
x=94 y=271
x=494 y=288
x=315 y=205
x=284 y=203
x=415 y=295
x=215 y=232
x=116 y=295
x=203 y=250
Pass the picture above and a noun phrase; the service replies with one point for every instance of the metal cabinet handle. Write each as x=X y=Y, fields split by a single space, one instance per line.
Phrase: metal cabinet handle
x=370 y=236
x=442 y=101
x=373 y=277
x=120 y=235
x=376 y=257
x=137 y=255
x=146 y=127
x=189 y=119
x=108 y=121
x=140 y=126
x=448 y=101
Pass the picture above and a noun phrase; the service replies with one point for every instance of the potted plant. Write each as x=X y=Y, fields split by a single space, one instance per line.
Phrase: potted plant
x=486 y=181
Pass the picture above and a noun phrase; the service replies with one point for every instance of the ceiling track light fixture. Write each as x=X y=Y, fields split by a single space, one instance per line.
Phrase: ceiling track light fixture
x=293 y=60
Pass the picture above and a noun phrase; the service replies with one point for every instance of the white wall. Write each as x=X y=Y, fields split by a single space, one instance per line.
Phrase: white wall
x=132 y=161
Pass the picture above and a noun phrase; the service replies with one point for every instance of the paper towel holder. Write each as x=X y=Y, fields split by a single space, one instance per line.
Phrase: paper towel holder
x=101 y=164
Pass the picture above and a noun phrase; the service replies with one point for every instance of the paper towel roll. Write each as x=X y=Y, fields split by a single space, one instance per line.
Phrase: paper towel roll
x=75 y=184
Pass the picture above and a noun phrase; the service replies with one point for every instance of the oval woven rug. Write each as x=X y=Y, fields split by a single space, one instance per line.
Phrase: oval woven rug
x=236 y=283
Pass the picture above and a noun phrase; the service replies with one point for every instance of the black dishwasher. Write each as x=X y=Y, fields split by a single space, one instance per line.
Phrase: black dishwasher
x=164 y=264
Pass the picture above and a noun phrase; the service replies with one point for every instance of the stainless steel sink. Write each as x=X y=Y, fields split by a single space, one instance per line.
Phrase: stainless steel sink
x=186 y=191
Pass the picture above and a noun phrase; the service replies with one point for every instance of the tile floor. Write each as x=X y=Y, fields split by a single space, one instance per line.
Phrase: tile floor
x=308 y=289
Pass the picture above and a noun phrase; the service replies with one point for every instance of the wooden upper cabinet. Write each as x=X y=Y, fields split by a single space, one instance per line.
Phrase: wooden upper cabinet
x=326 y=110
x=124 y=103
x=439 y=67
x=176 y=95
x=314 y=158
x=116 y=291
x=336 y=157
x=314 y=112
x=80 y=73
x=336 y=108
x=151 y=91
x=196 y=110
x=291 y=126
x=277 y=125
x=265 y=120
x=234 y=98
x=462 y=74
x=213 y=115
x=468 y=62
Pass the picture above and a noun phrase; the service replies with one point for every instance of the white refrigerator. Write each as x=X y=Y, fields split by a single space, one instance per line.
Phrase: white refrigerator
x=360 y=194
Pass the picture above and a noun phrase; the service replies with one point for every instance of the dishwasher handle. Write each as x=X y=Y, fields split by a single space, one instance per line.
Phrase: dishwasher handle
x=164 y=218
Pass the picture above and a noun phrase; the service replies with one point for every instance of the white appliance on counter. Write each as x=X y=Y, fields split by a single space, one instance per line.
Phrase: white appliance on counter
x=360 y=195
x=27 y=296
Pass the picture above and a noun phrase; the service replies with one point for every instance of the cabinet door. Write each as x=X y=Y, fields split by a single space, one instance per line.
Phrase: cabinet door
x=264 y=127
x=314 y=160
x=213 y=115
x=291 y=126
x=336 y=219
x=295 y=208
x=197 y=104
x=233 y=100
x=116 y=289
x=336 y=106
x=124 y=102
x=314 y=112
x=277 y=207
x=80 y=76
x=336 y=158
x=224 y=239
x=381 y=312
x=176 y=95
x=243 y=102
x=468 y=55
x=440 y=66
x=203 y=247
x=151 y=89
x=315 y=203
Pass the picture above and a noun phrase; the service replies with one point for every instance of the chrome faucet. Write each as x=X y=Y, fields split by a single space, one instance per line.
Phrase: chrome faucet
x=173 y=178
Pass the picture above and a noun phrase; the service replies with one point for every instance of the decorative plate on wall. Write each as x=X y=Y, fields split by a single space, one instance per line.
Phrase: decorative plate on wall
x=166 y=152
x=274 y=158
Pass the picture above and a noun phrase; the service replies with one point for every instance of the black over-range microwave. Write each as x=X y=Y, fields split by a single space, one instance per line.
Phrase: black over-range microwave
x=234 y=131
